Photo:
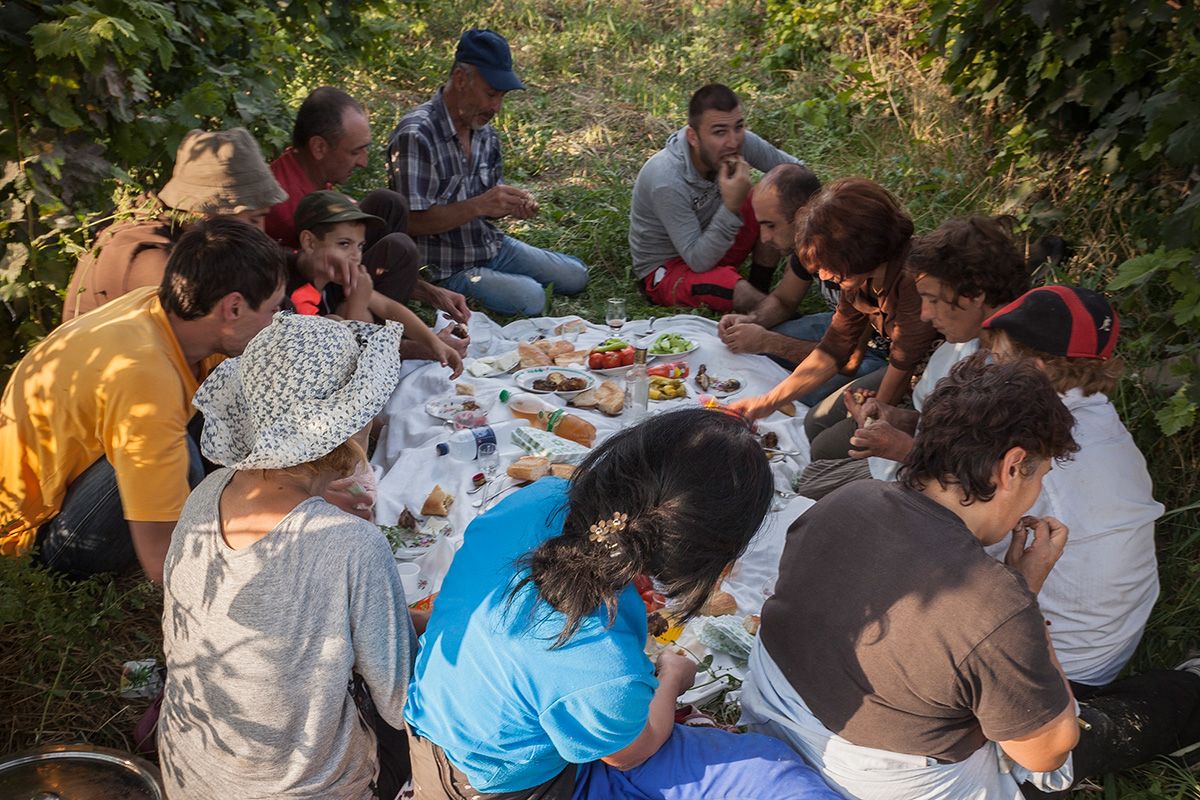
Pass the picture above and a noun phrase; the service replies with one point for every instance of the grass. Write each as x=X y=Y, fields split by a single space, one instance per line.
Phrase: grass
x=608 y=82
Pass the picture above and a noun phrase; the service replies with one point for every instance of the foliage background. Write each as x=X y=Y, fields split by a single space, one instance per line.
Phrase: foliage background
x=95 y=97
x=1076 y=118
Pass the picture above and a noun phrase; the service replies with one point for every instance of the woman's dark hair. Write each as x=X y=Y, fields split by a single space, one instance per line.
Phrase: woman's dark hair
x=851 y=227
x=972 y=256
x=979 y=412
x=218 y=256
x=695 y=485
x=321 y=115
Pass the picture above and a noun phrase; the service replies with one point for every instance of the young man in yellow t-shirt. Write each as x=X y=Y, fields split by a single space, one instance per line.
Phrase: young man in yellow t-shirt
x=95 y=459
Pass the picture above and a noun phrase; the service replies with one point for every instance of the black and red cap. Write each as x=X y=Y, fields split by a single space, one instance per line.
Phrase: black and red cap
x=1060 y=320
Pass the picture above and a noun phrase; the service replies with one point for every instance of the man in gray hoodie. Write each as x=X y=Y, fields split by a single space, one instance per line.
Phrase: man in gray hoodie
x=690 y=223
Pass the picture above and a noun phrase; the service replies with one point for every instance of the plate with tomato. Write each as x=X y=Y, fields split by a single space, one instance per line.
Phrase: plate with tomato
x=610 y=357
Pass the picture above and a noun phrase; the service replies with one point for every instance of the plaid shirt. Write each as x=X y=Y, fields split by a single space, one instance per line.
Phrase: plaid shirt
x=426 y=165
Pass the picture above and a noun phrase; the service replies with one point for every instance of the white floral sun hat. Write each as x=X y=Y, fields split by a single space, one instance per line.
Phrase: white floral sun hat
x=303 y=386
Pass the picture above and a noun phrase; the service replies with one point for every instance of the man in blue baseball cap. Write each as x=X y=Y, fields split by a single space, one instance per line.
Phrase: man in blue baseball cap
x=444 y=157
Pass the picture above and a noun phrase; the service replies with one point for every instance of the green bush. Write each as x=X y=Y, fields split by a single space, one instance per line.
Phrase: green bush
x=96 y=94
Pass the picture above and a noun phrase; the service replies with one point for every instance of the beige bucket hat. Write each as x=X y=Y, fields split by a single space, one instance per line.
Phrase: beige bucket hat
x=221 y=172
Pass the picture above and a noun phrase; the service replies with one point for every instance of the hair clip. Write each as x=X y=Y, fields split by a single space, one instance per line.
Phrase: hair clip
x=605 y=532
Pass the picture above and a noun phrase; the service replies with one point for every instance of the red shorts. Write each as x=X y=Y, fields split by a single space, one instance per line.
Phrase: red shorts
x=676 y=284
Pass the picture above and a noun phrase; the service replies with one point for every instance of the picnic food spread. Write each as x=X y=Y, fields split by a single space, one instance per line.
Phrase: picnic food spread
x=542 y=434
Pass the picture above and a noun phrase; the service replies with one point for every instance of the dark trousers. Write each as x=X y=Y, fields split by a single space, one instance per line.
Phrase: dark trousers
x=89 y=535
x=829 y=425
x=1132 y=721
x=390 y=255
x=391 y=744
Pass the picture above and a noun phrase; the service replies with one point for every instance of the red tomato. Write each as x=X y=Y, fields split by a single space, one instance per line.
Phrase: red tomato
x=627 y=356
x=596 y=360
x=612 y=359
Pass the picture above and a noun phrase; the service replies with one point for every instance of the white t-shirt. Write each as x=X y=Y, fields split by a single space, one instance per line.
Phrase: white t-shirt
x=1099 y=594
x=946 y=356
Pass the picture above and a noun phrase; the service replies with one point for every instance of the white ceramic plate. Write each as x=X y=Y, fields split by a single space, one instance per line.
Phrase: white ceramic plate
x=673 y=356
x=713 y=391
x=447 y=407
x=612 y=371
x=526 y=377
x=411 y=544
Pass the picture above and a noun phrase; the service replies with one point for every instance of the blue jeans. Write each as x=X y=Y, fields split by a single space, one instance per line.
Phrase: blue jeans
x=514 y=281
x=90 y=534
x=810 y=328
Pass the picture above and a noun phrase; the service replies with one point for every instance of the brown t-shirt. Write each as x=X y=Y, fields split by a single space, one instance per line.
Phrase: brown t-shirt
x=893 y=307
x=129 y=254
x=902 y=634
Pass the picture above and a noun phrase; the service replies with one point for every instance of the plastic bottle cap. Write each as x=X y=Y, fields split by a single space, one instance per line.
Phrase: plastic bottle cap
x=443 y=449
x=504 y=395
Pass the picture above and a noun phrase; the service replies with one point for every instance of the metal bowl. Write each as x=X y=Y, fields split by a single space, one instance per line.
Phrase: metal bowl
x=78 y=772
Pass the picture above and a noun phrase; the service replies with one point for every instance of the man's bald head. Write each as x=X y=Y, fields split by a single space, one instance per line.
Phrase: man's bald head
x=793 y=185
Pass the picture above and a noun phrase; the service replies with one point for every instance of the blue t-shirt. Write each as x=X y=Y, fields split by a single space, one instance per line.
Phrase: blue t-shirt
x=508 y=711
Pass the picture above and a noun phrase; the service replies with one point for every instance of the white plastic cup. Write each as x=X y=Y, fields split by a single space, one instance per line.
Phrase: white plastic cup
x=410 y=579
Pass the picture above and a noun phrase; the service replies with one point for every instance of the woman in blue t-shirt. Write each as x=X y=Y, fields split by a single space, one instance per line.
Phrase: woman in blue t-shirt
x=532 y=680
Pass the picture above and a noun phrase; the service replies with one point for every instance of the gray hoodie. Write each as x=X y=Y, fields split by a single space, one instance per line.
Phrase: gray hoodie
x=677 y=212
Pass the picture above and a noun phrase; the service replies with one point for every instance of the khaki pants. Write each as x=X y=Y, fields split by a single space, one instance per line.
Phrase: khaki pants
x=435 y=778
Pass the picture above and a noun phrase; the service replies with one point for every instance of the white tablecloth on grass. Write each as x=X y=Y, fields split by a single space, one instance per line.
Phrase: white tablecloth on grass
x=407 y=460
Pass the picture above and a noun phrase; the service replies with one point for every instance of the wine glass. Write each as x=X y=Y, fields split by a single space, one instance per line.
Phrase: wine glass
x=614 y=312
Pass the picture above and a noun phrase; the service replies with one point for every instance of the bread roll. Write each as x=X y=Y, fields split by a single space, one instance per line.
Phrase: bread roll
x=564 y=471
x=567 y=359
x=529 y=468
x=586 y=399
x=438 y=503
x=464 y=389
x=533 y=356
x=610 y=398
x=719 y=603
x=574 y=326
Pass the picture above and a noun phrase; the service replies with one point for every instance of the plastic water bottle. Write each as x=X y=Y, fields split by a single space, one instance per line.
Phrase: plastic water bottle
x=463 y=445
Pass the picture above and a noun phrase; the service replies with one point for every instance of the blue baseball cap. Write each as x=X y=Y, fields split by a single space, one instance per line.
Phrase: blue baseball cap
x=488 y=52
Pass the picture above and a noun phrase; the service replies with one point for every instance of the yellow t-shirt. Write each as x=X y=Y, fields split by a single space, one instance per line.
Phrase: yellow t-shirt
x=110 y=383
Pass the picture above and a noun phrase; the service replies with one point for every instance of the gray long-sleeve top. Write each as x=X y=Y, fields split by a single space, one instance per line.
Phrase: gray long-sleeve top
x=678 y=212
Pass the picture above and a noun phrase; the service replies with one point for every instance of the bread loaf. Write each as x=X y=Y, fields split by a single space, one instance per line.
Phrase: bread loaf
x=533 y=356
x=529 y=468
x=567 y=359
x=438 y=503
x=610 y=398
x=574 y=326
x=564 y=471
x=718 y=604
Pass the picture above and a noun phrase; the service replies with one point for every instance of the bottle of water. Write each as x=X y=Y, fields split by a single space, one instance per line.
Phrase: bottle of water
x=637 y=390
x=463 y=445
